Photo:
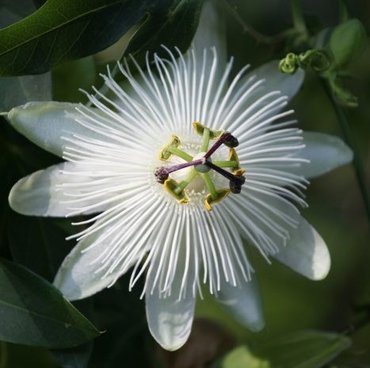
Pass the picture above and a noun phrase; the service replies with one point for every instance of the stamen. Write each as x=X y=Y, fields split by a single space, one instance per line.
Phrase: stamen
x=172 y=149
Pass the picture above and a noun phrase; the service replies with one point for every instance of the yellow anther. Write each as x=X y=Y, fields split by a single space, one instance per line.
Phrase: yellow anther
x=234 y=157
x=199 y=128
x=221 y=194
x=165 y=154
x=171 y=186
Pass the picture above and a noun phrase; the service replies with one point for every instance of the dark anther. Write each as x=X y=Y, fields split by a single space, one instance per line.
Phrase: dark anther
x=235 y=187
x=236 y=184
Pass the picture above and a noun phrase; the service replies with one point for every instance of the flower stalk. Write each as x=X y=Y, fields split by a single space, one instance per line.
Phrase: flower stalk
x=347 y=134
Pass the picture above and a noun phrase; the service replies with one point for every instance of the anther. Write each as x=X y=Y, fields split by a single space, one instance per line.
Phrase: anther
x=236 y=186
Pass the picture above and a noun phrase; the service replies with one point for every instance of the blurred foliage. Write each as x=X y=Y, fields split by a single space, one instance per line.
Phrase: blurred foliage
x=297 y=310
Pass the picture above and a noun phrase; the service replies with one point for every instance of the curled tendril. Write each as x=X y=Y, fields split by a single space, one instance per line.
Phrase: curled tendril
x=317 y=60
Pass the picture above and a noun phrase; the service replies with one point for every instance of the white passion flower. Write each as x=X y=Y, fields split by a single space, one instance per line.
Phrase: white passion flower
x=180 y=168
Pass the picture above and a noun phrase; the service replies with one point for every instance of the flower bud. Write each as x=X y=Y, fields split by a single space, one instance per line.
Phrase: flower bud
x=347 y=41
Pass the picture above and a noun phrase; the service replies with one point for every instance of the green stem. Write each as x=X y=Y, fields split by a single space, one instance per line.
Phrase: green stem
x=247 y=28
x=347 y=134
x=226 y=163
x=186 y=182
x=298 y=20
x=3 y=354
x=210 y=186
x=343 y=12
x=205 y=140
x=179 y=153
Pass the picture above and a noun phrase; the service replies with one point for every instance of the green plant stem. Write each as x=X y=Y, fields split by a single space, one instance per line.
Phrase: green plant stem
x=3 y=354
x=247 y=28
x=297 y=16
x=347 y=134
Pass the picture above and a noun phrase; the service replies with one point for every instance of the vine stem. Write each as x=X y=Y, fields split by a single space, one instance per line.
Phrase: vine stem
x=297 y=16
x=3 y=354
x=247 y=28
x=357 y=161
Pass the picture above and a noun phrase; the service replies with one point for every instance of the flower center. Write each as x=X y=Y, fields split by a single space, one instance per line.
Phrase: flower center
x=192 y=174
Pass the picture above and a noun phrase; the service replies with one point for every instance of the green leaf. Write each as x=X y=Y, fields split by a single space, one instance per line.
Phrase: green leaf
x=241 y=357
x=64 y=30
x=33 y=312
x=304 y=349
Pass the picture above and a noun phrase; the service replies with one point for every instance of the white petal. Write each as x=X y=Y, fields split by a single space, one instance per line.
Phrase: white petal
x=325 y=153
x=211 y=32
x=244 y=303
x=77 y=277
x=287 y=84
x=38 y=194
x=45 y=123
x=170 y=318
x=306 y=252
x=170 y=312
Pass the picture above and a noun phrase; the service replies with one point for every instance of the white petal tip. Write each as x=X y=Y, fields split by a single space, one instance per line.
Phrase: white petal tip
x=256 y=326
x=244 y=304
x=68 y=288
x=306 y=252
x=324 y=153
x=169 y=320
x=171 y=346
x=321 y=264
x=24 y=199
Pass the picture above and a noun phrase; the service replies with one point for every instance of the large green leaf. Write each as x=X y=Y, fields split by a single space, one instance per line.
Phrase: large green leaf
x=304 y=349
x=62 y=30
x=33 y=312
